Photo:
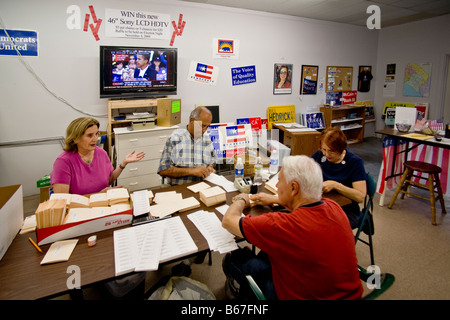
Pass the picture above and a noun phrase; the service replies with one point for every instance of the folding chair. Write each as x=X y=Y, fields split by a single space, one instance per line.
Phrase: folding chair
x=385 y=282
x=366 y=222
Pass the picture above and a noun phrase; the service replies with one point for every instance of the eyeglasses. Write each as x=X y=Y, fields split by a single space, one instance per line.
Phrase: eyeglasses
x=283 y=72
x=204 y=126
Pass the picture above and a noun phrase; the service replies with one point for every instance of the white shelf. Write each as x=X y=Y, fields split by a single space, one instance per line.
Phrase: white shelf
x=351 y=128
x=345 y=120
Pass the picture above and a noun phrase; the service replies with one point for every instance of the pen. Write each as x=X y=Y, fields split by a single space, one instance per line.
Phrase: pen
x=35 y=245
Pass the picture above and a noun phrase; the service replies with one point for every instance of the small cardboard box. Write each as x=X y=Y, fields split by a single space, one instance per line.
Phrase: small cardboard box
x=11 y=215
x=75 y=229
x=213 y=196
x=168 y=112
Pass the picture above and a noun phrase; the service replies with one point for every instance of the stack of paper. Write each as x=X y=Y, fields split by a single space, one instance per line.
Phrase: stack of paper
x=29 y=224
x=179 y=205
x=143 y=247
x=218 y=238
x=59 y=251
x=117 y=195
x=65 y=196
x=120 y=207
x=79 y=201
x=98 y=200
x=141 y=202
x=168 y=196
x=129 y=243
x=271 y=185
x=50 y=213
x=170 y=202
x=221 y=181
x=83 y=214
x=101 y=199
x=198 y=187
x=213 y=196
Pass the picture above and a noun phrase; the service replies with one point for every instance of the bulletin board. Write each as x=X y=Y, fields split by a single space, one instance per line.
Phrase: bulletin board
x=339 y=78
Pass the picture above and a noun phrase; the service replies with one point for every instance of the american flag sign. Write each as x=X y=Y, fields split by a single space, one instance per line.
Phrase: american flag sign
x=204 y=71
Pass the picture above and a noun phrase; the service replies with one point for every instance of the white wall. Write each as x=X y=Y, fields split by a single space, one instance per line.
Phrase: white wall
x=68 y=63
x=418 y=42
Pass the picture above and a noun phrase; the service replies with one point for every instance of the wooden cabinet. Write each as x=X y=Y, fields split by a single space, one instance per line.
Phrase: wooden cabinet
x=350 y=118
x=142 y=174
x=300 y=143
x=165 y=113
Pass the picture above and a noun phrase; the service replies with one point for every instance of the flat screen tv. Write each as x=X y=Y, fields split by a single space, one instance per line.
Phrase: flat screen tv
x=133 y=72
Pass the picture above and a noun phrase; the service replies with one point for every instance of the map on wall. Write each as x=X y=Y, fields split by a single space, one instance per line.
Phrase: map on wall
x=417 y=80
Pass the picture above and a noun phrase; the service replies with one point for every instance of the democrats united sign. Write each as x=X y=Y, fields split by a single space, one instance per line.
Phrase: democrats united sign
x=278 y=114
x=25 y=42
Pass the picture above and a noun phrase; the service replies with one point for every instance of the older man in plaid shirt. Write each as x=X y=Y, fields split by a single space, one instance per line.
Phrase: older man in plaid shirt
x=189 y=154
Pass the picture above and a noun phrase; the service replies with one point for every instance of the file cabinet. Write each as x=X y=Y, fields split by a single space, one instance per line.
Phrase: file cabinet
x=142 y=174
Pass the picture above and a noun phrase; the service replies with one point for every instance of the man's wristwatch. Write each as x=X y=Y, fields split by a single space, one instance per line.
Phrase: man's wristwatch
x=240 y=198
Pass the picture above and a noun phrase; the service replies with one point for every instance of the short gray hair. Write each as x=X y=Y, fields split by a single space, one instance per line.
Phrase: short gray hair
x=306 y=172
x=195 y=114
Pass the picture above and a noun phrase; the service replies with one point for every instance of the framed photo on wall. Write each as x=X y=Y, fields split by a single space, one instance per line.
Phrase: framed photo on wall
x=282 y=78
x=313 y=120
x=309 y=79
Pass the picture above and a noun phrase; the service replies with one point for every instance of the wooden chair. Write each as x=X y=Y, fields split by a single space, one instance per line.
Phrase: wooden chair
x=433 y=186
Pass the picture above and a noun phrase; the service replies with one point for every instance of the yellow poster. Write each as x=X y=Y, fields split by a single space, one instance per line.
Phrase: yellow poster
x=393 y=104
x=276 y=114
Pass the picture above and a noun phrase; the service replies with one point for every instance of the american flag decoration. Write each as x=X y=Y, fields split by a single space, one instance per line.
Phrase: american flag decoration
x=435 y=155
x=235 y=139
x=203 y=72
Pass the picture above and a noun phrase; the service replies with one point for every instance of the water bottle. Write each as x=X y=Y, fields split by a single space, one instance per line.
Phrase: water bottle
x=273 y=162
x=257 y=179
x=239 y=169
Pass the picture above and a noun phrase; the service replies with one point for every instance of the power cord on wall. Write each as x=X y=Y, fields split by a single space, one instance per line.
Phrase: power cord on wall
x=41 y=82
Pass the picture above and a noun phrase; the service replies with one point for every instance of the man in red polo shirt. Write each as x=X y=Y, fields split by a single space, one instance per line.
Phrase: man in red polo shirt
x=309 y=252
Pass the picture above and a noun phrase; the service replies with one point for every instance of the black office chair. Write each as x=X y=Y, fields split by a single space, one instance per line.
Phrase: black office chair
x=366 y=222
x=385 y=282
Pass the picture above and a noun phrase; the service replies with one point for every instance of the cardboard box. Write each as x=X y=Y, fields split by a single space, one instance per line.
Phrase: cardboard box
x=75 y=229
x=168 y=112
x=45 y=193
x=11 y=215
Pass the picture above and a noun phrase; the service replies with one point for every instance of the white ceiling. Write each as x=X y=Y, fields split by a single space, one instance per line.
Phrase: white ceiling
x=393 y=12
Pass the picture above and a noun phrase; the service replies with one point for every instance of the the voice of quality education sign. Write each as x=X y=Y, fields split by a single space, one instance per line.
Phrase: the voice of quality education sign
x=11 y=41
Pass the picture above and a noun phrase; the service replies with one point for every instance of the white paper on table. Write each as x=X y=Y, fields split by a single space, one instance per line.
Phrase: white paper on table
x=169 y=196
x=148 y=258
x=198 y=187
x=222 y=209
x=211 y=228
x=177 y=241
x=131 y=243
x=60 y=251
x=221 y=181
